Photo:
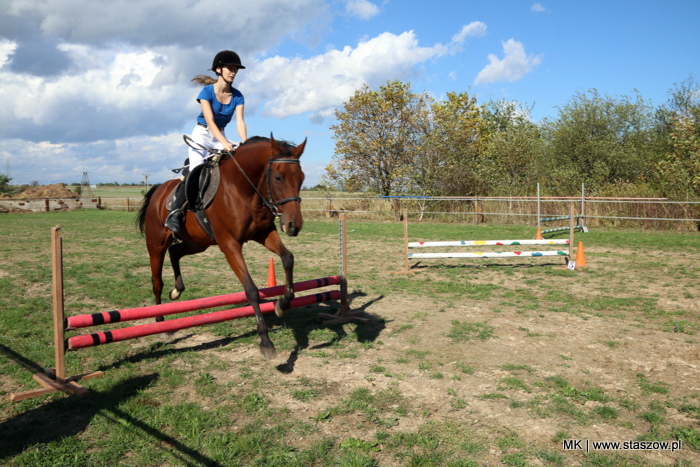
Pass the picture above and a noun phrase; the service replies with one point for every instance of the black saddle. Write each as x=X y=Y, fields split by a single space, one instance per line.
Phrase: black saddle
x=201 y=185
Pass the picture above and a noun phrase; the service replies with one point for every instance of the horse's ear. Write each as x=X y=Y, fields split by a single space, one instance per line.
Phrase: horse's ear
x=297 y=151
x=274 y=146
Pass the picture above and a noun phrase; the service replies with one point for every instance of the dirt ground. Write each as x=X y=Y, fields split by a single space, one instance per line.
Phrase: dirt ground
x=504 y=383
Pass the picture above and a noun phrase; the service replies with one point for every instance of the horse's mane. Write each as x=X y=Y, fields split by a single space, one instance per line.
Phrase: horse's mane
x=261 y=139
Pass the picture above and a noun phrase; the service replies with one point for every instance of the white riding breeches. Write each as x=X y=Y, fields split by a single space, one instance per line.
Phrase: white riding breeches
x=202 y=136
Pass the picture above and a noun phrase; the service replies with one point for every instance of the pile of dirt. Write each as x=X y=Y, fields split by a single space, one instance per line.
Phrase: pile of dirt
x=55 y=191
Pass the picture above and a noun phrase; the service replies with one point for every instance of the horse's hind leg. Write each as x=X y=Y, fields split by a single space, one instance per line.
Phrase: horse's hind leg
x=156 y=253
x=157 y=258
x=273 y=242
x=177 y=251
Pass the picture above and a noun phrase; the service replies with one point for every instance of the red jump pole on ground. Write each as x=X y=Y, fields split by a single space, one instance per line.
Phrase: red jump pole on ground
x=130 y=314
x=116 y=335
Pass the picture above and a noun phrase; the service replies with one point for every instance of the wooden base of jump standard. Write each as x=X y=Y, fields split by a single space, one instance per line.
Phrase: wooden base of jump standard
x=50 y=385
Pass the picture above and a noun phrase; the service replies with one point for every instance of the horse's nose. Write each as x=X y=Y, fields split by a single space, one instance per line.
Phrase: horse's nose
x=292 y=230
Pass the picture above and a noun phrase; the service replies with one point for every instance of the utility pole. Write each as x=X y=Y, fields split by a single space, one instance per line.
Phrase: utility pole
x=85 y=184
x=8 y=169
x=145 y=181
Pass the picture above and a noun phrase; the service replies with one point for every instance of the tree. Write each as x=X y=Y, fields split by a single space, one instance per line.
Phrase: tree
x=377 y=138
x=679 y=131
x=450 y=162
x=600 y=141
x=513 y=147
x=4 y=183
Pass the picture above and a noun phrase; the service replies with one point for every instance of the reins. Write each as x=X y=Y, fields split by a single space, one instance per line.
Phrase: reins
x=269 y=202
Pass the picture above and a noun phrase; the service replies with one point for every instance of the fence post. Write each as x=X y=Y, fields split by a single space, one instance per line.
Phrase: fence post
x=329 y=207
x=479 y=211
x=397 y=209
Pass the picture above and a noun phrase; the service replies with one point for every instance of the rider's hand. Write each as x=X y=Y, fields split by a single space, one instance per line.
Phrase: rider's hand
x=228 y=147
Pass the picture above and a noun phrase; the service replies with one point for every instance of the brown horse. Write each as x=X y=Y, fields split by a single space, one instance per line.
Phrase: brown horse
x=239 y=212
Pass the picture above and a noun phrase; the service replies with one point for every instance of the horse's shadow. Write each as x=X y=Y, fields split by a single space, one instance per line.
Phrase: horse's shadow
x=304 y=324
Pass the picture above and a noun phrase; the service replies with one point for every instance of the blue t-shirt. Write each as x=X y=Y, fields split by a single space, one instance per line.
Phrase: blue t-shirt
x=222 y=112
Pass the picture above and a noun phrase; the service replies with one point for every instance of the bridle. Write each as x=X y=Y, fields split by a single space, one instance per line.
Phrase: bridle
x=269 y=202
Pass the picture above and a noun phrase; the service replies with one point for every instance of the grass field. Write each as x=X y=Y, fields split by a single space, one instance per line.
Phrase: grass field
x=466 y=362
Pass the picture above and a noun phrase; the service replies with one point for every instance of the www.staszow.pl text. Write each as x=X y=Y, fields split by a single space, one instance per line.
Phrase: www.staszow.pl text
x=588 y=445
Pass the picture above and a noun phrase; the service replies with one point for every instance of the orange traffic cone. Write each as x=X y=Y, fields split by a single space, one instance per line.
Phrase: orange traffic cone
x=271 y=279
x=539 y=235
x=580 y=256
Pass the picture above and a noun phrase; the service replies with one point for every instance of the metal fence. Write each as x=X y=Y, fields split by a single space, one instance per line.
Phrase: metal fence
x=616 y=212
x=645 y=213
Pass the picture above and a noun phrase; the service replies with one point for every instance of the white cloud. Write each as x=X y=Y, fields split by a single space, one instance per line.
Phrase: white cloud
x=361 y=8
x=514 y=65
x=537 y=8
x=473 y=29
x=251 y=26
x=296 y=86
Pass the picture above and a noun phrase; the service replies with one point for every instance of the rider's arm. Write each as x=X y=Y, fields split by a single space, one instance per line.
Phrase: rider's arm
x=240 y=124
x=211 y=125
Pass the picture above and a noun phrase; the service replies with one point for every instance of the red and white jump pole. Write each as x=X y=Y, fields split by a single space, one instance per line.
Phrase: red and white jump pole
x=130 y=314
x=116 y=335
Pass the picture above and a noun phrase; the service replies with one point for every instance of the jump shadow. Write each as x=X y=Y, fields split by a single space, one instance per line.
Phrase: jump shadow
x=71 y=415
x=21 y=360
x=162 y=349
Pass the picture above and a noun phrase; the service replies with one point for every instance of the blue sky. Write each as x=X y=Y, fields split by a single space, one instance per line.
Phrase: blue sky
x=104 y=86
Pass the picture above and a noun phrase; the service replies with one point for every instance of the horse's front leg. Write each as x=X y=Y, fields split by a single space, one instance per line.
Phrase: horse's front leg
x=234 y=256
x=273 y=242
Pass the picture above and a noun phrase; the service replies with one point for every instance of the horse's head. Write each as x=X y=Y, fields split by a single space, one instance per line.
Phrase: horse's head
x=284 y=182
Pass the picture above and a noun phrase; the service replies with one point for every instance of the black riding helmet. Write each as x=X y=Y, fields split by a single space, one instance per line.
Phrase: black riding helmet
x=226 y=58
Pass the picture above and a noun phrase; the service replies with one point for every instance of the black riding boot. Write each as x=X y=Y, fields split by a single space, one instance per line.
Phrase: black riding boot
x=176 y=219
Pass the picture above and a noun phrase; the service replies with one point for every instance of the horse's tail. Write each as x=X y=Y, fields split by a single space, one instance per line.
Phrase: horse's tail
x=141 y=216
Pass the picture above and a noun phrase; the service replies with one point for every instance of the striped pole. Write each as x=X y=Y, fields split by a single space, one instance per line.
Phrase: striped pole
x=116 y=335
x=130 y=314
x=560 y=218
x=577 y=228
x=488 y=242
x=488 y=254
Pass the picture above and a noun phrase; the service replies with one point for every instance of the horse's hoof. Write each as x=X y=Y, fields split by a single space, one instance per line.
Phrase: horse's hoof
x=175 y=294
x=269 y=353
x=159 y=319
x=279 y=311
